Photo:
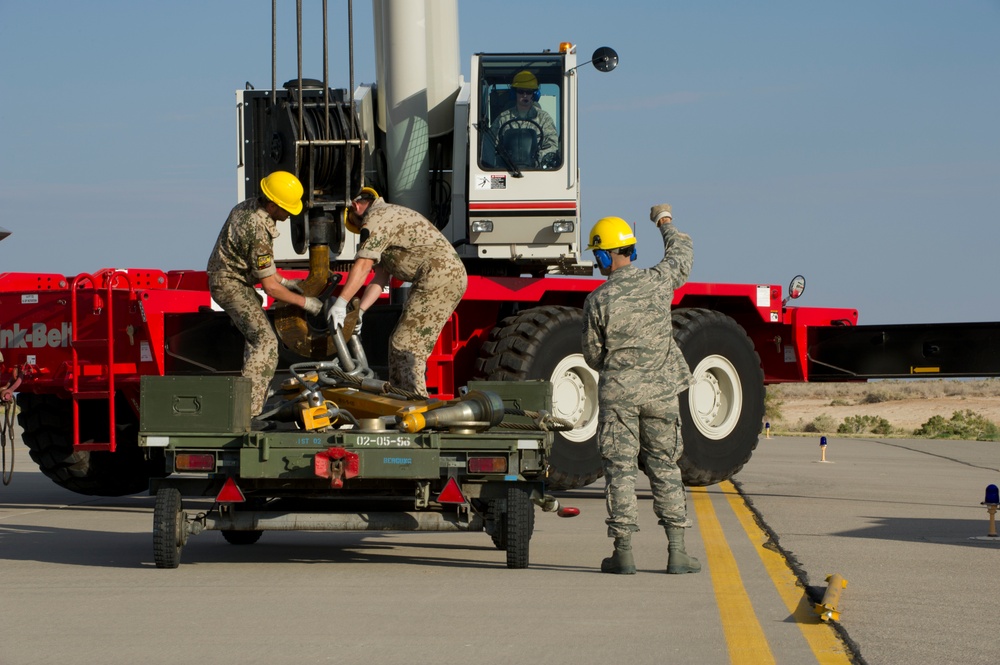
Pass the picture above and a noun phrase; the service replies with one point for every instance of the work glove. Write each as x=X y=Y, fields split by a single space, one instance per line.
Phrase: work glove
x=357 y=326
x=338 y=312
x=658 y=212
x=292 y=285
x=313 y=305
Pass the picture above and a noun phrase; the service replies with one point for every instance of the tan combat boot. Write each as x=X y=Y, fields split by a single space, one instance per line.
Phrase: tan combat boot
x=678 y=560
x=621 y=562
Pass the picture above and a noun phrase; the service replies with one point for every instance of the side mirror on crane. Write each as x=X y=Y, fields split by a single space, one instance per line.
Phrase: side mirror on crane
x=795 y=289
x=605 y=59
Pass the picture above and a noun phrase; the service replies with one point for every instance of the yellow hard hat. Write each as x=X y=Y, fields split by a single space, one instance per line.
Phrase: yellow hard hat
x=524 y=80
x=284 y=189
x=365 y=193
x=611 y=233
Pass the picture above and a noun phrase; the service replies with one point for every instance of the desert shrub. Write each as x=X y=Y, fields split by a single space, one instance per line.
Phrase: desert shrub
x=864 y=425
x=967 y=425
x=772 y=405
x=821 y=423
x=840 y=402
x=875 y=397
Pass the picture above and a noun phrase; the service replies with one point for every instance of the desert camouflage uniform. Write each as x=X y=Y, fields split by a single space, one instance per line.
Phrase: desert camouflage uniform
x=549 y=141
x=628 y=340
x=243 y=255
x=407 y=246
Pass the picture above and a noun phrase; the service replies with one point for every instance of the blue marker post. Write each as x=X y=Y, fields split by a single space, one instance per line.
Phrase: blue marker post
x=822 y=449
x=767 y=430
x=992 y=502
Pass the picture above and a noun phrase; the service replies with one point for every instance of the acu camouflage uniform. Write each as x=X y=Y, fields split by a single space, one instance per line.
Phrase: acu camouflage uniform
x=628 y=340
x=243 y=255
x=548 y=142
x=407 y=246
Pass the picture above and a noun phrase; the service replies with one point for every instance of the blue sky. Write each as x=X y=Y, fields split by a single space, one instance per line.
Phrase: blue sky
x=856 y=142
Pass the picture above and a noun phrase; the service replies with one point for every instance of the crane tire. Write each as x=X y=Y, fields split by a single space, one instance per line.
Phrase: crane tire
x=546 y=343
x=721 y=413
x=47 y=430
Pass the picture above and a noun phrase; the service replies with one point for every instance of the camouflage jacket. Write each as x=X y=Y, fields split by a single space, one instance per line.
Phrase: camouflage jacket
x=549 y=141
x=404 y=242
x=244 y=250
x=627 y=335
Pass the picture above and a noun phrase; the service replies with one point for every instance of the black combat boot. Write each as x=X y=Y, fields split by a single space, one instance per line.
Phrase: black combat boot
x=621 y=562
x=678 y=560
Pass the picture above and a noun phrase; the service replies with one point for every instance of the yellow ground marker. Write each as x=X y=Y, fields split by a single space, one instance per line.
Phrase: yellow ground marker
x=824 y=642
x=744 y=637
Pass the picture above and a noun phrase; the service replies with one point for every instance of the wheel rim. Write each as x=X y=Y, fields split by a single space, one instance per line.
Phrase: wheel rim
x=716 y=398
x=574 y=396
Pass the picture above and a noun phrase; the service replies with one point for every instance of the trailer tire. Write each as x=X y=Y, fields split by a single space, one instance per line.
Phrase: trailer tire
x=169 y=528
x=518 y=524
x=721 y=413
x=47 y=430
x=546 y=343
x=241 y=537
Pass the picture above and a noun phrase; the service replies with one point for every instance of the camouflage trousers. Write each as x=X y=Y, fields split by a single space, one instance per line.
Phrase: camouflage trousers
x=427 y=310
x=260 y=353
x=649 y=432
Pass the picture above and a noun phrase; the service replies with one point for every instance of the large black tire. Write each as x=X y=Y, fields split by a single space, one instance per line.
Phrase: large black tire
x=518 y=524
x=546 y=343
x=169 y=528
x=721 y=414
x=47 y=430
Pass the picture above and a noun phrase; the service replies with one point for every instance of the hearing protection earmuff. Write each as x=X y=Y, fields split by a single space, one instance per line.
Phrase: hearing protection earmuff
x=603 y=257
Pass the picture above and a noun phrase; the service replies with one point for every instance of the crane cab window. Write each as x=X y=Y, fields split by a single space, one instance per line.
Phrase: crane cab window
x=520 y=112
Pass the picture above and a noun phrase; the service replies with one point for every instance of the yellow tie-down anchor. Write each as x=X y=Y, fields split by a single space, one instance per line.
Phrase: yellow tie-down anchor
x=827 y=607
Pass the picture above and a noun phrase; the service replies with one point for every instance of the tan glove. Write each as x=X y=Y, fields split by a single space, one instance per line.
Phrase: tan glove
x=660 y=212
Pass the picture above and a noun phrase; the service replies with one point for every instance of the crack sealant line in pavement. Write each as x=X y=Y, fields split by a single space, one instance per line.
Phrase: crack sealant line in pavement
x=822 y=638
x=777 y=560
x=745 y=638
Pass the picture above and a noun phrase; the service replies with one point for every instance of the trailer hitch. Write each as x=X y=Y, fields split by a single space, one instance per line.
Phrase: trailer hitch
x=337 y=464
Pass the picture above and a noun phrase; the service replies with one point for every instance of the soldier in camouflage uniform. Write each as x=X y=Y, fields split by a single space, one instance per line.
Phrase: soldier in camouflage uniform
x=242 y=257
x=526 y=113
x=628 y=340
x=401 y=243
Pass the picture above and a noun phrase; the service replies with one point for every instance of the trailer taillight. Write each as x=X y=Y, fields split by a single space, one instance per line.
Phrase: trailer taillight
x=487 y=465
x=194 y=462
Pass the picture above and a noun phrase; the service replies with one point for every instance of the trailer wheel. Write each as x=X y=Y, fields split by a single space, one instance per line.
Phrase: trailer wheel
x=169 y=528
x=517 y=525
x=47 y=430
x=496 y=518
x=545 y=343
x=241 y=537
x=722 y=412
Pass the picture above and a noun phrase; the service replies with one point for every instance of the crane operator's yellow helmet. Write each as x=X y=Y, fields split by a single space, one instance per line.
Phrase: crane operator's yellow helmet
x=284 y=189
x=524 y=80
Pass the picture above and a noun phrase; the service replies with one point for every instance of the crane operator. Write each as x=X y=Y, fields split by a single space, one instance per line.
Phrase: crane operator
x=525 y=117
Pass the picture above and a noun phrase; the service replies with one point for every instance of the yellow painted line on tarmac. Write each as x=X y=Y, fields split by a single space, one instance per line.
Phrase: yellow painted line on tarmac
x=821 y=637
x=744 y=636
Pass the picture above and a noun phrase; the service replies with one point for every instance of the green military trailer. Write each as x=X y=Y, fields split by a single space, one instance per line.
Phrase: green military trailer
x=344 y=453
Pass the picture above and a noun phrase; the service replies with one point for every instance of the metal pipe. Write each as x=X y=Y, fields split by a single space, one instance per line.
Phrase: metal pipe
x=388 y=521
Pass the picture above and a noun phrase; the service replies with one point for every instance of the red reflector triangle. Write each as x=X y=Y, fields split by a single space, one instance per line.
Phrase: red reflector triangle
x=230 y=493
x=451 y=493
